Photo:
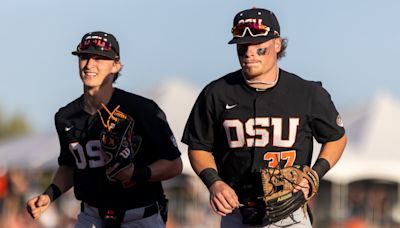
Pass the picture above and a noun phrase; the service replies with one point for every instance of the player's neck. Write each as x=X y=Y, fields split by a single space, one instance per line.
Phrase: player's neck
x=263 y=81
x=93 y=97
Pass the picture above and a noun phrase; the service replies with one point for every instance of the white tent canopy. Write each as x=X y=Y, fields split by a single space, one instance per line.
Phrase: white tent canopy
x=371 y=152
x=176 y=99
x=32 y=151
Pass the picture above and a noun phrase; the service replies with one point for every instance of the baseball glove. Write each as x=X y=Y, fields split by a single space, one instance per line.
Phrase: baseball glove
x=118 y=142
x=278 y=186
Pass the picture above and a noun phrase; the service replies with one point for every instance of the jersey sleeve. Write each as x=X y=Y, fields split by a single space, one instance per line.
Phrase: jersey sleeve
x=199 y=129
x=65 y=157
x=325 y=120
x=163 y=139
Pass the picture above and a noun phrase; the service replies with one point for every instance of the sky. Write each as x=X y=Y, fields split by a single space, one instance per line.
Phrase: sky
x=351 y=46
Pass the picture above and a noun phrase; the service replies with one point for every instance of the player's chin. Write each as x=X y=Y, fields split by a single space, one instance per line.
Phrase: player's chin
x=251 y=71
x=90 y=83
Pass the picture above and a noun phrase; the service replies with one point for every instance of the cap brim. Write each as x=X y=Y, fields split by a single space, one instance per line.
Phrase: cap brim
x=111 y=55
x=250 y=39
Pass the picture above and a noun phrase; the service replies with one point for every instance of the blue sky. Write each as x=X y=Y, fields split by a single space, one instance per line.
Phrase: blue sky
x=351 y=46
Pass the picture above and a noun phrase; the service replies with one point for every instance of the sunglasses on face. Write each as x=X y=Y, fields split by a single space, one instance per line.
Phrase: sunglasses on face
x=96 y=43
x=254 y=29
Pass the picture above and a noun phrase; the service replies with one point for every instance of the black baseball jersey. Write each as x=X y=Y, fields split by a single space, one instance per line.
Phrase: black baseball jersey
x=79 y=134
x=247 y=129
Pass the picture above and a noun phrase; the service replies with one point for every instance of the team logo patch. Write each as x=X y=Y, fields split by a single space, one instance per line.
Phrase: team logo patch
x=339 y=121
x=173 y=140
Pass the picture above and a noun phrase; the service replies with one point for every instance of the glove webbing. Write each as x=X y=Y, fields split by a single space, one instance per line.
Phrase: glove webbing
x=112 y=116
x=277 y=178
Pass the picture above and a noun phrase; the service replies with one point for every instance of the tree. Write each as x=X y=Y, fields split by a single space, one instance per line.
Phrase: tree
x=14 y=126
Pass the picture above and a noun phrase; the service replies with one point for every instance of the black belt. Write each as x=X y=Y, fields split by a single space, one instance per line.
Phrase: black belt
x=148 y=211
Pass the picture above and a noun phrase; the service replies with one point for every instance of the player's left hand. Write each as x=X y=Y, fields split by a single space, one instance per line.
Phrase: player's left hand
x=304 y=186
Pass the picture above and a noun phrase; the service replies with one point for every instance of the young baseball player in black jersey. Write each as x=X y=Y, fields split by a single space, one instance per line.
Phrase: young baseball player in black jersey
x=82 y=161
x=256 y=117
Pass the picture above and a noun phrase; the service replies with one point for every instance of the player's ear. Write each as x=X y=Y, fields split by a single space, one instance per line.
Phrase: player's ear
x=116 y=67
x=278 y=44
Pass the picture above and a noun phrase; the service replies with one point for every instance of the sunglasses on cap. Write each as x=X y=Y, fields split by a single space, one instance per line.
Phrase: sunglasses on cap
x=99 y=44
x=254 y=29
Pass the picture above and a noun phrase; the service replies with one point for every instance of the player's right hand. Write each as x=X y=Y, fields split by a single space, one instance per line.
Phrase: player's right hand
x=223 y=199
x=37 y=205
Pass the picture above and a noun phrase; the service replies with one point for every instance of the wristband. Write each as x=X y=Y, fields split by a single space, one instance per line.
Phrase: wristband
x=53 y=192
x=321 y=167
x=209 y=176
x=141 y=174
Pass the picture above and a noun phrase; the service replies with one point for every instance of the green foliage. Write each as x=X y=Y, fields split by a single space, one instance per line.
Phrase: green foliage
x=12 y=126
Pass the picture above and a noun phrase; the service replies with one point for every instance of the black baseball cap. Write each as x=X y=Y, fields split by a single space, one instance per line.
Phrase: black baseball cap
x=98 y=43
x=262 y=18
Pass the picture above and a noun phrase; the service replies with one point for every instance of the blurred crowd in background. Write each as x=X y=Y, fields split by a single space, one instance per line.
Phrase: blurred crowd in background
x=370 y=203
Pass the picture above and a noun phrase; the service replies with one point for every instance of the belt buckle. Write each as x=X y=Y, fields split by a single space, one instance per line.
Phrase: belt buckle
x=111 y=218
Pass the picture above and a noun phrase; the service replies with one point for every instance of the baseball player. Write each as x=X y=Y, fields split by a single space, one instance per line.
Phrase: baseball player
x=259 y=116
x=82 y=162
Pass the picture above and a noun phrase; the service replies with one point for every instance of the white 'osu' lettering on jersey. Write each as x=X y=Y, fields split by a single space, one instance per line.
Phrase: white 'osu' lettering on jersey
x=257 y=134
x=89 y=156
